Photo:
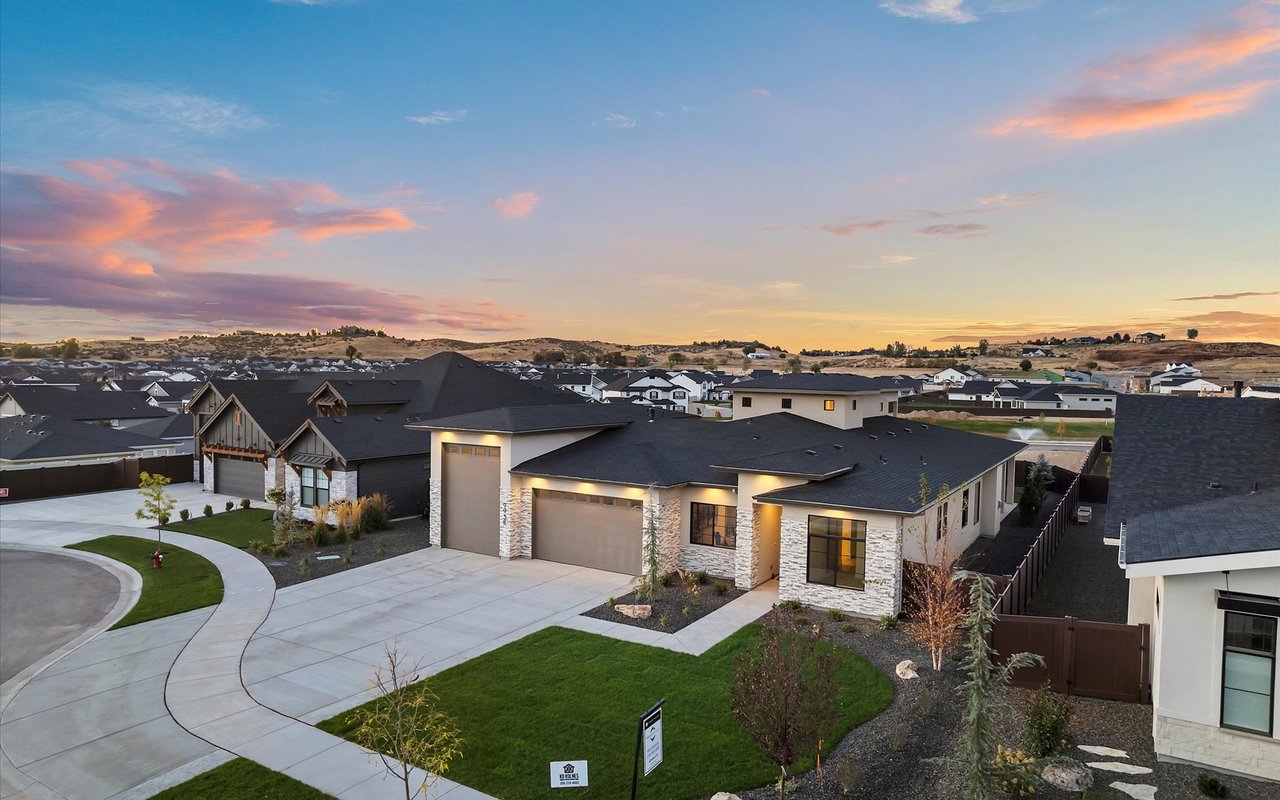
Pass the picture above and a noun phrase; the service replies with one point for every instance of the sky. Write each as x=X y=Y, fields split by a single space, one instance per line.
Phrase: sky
x=809 y=174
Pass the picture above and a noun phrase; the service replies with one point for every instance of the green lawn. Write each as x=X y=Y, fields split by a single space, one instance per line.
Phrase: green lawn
x=186 y=581
x=242 y=779
x=560 y=694
x=235 y=528
x=1001 y=427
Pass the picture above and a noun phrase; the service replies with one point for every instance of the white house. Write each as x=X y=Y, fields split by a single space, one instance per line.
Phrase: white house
x=1268 y=391
x=1195 y=501
x=653 y=388
x=1187 y=387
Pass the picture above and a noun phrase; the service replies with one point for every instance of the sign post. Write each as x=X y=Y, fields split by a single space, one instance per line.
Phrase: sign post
x=648 y=744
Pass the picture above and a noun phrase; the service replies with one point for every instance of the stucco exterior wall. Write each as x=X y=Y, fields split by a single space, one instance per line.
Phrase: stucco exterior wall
x=883 y=584
x=849 y=412
x=987 y=522
x=746 y=561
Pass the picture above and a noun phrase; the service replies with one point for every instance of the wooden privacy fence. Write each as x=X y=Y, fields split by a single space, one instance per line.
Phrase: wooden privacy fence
x=1022 y=583
x=32 y=484
x=1090 y=659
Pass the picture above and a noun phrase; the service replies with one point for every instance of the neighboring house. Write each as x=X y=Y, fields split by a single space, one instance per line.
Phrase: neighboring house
x=652 y=387
x=1269 y=391
x=114 y=409
x=1084 y=340
x=36 y=440
x=1037 y=352
x=1195 y=501
x=826 y=501
x=973 y=391
x=953 y=377
x=176 y=429
x=1148 y=337
x=1187 y=387
x=759 y=355
x=1049 y=397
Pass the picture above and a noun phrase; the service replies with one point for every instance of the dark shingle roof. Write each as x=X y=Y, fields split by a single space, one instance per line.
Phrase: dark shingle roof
x=529 y=419
x=1169 y=451
x=1246 y=523
x=365 y=437
x=29 y=436
x=800 y=382
x=87 y=404
x=818 y=463
x=173 y=426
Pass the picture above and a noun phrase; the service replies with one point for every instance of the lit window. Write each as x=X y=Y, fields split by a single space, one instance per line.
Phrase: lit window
x=828 y=405
x=837 y=552
x=714 y=526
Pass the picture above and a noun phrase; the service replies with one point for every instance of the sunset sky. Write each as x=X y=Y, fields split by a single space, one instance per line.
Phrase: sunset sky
x=811 y=174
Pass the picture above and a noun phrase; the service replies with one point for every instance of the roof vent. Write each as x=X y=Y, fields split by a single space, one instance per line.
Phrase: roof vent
x=891 y=433
x=924 y=427
x=810 y=452
x=377 y=417
x=337 y=420
x=838 y=446
x=1215 y=485
x=922 y=461
x=872 y=436
x=883 y=460
x=908 y=430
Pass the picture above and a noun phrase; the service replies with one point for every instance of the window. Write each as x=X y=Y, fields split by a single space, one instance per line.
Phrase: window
x=746 y=402
x=837 y=552
x=678 y=395
x=315 y=487
x=579 y=497
x=472 y=450
x=893 y=407
x=786 y=402
x=237 y=416
x=714 y=526
x=1248 y=672
x=977 y=502
x=828 y=405
x=942 y=515
x=855 y=405
x=964 y=510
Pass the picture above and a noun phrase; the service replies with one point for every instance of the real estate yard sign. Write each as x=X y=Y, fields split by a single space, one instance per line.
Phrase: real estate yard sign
x=648 y=744
x=568 y=774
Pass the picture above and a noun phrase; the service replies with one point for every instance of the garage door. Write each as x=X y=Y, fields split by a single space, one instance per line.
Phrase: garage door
x=470 y=513
x=587 y=530
x=402 y=480
x=239 y=477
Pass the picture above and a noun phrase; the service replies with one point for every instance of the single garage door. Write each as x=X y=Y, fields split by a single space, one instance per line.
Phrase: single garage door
x=470 y=513
x=239 y=477
x=588 y=530
x=402 y=480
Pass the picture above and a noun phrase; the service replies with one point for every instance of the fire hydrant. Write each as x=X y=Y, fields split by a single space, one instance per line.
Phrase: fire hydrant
x=157 y=559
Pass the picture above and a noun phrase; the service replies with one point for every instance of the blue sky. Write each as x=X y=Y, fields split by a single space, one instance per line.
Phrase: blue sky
x=816 y=174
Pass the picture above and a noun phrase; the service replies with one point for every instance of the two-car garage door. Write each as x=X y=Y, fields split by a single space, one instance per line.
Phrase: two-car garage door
x=239 y=477
x=587 y=530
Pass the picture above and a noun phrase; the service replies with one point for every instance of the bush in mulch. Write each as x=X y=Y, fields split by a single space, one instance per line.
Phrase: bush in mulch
x=683 y=598
x=286 y=564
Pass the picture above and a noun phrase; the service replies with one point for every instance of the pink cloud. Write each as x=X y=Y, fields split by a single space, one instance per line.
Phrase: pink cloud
x=1208 y=50
x=517 y=206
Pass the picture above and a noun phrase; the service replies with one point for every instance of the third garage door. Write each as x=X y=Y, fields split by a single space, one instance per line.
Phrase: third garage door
x=239 y=477
x=470 y=513
x=587 y=530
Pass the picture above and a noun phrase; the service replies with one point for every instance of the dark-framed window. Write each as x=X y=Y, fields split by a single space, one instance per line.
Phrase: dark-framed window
x=964 y=509
x=1248 y=672
x=315 y=486
x=942 y=516
x=855 y=406
x=837 y=552
x=786 y=402
x=746 y=402
x=977 y=503
x=714 y=526
x=828 y=405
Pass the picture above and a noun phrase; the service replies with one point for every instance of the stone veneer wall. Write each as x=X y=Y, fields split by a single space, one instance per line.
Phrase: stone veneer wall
x=747 y=555
x=435 y=523
x=343 y=485
x=208 y=473
x=718 y=561
x=666 y=516
x=273 y=475
x=883 y=591
x=1210 y=746
x=515 y=523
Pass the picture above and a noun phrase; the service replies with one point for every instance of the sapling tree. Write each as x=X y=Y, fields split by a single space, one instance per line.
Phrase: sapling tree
x=783 y=693
x=649 y=582
x=405 y=726
x=157 y=503
x=937 y=602
x=283 y=522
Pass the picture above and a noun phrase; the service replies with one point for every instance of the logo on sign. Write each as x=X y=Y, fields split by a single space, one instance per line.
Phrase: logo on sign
x=568 y=774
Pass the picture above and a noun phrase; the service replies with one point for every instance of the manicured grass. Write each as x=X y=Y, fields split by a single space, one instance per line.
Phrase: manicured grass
x=186 y=581
x=560 y=694
x=1001 y=427
x=242 y=779
x=236 y=528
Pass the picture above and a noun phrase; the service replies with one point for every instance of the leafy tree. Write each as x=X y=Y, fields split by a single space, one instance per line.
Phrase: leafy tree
x=782 y=693
x=643 y=360
x=748 y=350
x=985 y=681
x=25 y=350
x=157 y=504
x=69 y=348
x=1091 y=365
x=1125 y=338
x=405 y=727
x=1192 y=333
x=1034 y=488
x=937 y=600
x=1025 y=365
x=352 y=352
x=794 y=364
x=983 y=344
x=676 y=358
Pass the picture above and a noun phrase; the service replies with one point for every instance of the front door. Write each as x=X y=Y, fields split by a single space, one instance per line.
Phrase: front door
x=769 y=533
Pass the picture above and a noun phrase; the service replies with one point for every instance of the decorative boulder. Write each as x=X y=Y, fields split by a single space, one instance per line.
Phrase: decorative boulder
x=724 y=796
x=1069 y=776
x=906 y=670
x=635 y=612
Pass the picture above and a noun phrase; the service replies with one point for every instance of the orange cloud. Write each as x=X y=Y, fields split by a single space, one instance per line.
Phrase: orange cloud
x=127 y=265
x=1205 y=51
x=339 y=222
x=517 y=206
x=1084 y=117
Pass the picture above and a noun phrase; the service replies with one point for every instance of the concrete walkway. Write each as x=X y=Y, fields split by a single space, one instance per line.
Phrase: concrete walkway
x=140 y=709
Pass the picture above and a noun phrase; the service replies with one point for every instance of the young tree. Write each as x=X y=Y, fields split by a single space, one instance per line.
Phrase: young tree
x=783 y=695
x=1192 y=333
x=157 y=504
x=405 y=726
x=937 y=603
x=978 y=738
x=283 y=520
x=1025 y=365
x=1034 y=488
x=649 y=583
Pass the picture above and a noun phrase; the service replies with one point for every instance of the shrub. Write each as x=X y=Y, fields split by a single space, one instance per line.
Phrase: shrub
x=230 y=505
x=720 y=588
x=849 y=628
x=258 y=545
x=184 y=514
x=686 y=611
x=1048 y=720
x=1015 y=772
x=349 y=554
x=667 y=579
x=381 y=549
x=792 y=605
x=835 y=614
x=245 y=502
x=925 y=701
x=611 y=602
x=376 y=513
x=348 y=515
x=702 y=577
x=279 y=550
x=662 y=621
x=304 y=568
x=1210 y=785
x=898 y=739
x=888 y=622
x=208 y=510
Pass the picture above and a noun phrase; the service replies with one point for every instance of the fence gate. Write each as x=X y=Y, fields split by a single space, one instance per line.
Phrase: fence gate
x=1082 y=657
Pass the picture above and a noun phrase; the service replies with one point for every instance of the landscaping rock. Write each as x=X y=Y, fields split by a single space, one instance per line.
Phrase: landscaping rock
x=1096 y=750
x=1069 y=776
x=635 y=612
x=906 y=669
x=1138 y=791
x=1119 y=766
x=724 y=796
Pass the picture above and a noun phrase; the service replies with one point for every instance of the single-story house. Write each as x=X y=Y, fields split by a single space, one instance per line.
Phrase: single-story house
x=114 y=409
x=36 y=440
x=1195 y=502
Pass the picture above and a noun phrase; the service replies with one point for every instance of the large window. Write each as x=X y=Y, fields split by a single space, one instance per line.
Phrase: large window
x=1248 y=672
x=315 y=487
x=715 y=526
x=746 y=402
x=837 y=552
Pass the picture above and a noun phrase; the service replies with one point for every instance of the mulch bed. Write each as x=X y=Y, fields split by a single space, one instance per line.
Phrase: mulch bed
x=673 y=608
x=404 y=536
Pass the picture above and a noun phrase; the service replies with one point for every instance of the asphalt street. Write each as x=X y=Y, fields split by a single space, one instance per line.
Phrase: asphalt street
x=46 y=600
